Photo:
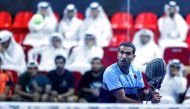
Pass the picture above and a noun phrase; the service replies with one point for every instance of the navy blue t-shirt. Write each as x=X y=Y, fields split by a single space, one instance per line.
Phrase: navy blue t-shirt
x=61 y=83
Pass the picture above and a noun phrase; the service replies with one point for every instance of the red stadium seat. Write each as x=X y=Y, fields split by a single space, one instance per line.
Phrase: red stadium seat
x=77 y=77
x=80 y=16
x=5 y=20
x=26 y=49
x=122 y=23
x=146 y=20
x=122 y=20
x=19 y=37
x=118 y=38
x=180 y=53
x=110 y=56
x=21 y=20
x=188 y=19
x=57 y=16
x=188 y=79
x=188 y=34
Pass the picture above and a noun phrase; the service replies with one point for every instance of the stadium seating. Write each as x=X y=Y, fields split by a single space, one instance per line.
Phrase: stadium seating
x=118 y=38
x=77 y=77
x=26 y=49
x=146 y=20
x=19 y=37
x=110 y=55
x=80 y=16
x=188 y=19
x=57 y=16
x=5 y=20
x=21 y=21
x=122 y=20
x=180 y=53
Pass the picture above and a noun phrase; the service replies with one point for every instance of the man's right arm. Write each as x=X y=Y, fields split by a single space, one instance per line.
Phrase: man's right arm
x=121 y=98
x=22 y=93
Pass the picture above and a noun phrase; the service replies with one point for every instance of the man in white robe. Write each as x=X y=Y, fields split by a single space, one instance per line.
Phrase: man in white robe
x=97 y=21
x=47 y=53
x=147 y=49
x=173 y=28
x=69 y=26
x=82 y=55
x=39 y=32
x=11 y=53
x=174 y=83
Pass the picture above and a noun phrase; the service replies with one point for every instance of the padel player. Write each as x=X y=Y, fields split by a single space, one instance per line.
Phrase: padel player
x=122 y=82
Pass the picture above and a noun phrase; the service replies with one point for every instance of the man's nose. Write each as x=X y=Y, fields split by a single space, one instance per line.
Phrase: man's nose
x=124 y=55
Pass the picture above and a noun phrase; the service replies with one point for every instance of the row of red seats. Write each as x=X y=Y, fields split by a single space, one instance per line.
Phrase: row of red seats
x=123 y=24
x=20 y=24
x=21 y=19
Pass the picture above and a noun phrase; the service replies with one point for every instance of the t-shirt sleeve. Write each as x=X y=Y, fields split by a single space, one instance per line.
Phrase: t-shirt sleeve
x=112 y=81
x=71 y=81
x=21 y=80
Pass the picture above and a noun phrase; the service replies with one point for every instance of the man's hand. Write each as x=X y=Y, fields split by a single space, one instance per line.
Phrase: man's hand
x=155 y=97
x=96 y=92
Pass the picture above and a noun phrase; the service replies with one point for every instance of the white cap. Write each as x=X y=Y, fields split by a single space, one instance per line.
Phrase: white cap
x=94 y=5
x=70 y=7
x=43 y=4
x=5 y=36
x=32 y=64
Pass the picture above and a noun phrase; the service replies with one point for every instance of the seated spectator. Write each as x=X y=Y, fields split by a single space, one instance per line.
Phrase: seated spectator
x=172 y=27
x=62 y=81
x=97 y=20
x=31 y=85
x=146 y=48
x=11 y=53
x=69 y=26
x=174 y=83
x=6 y=83
x=91 y=82
x=82 y=55
x=48 y=53
x=39 y=31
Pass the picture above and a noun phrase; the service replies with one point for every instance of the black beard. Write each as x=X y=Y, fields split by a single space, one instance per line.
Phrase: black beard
x=124 y=66
x=172 y=15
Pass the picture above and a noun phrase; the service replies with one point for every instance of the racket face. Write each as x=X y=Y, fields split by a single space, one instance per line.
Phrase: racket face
x=155 y=72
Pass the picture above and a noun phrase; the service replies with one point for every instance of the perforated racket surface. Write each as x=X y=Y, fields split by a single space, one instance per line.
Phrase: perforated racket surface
x=155 y=72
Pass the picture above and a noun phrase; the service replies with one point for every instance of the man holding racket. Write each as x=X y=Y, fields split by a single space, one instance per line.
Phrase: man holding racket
x=122 y=82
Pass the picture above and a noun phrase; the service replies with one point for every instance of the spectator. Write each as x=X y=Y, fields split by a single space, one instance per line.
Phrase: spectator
x=173 y=79
x=6 y=83
x=40 y=31
x=69 y=26
x=172 y=27
x=48 y=52
x=91 y=82
x=81 y=56
x=32 y=85
x=97 y=21
x=62 y=80
x=11 y=53
x=146 y=48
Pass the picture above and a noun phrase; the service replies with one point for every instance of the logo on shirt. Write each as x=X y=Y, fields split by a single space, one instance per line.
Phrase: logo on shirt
x=135 y=76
